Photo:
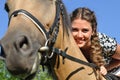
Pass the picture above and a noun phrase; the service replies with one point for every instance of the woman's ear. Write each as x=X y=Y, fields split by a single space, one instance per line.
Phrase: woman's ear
x=92 y=33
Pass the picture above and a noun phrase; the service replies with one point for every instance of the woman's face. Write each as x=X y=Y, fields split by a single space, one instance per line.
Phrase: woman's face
x=82 y=31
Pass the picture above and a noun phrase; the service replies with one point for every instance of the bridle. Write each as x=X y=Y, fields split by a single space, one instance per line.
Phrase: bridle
x=54 y=29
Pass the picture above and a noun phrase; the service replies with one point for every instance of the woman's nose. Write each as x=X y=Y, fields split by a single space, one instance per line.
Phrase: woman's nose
x=80 y=34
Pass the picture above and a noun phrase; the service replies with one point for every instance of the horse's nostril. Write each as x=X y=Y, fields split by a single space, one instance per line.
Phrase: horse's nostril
x=22 y=43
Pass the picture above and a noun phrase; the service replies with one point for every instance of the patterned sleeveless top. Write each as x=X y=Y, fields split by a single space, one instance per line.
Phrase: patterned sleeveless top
x=108 y=46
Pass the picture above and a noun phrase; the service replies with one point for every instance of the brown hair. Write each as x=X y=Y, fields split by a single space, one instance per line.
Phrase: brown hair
x=95 y=49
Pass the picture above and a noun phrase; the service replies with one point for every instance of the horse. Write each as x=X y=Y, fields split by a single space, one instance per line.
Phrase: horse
x=39 y=33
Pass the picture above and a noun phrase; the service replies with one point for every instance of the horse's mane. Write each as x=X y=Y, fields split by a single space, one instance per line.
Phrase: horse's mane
x=66 y=20
x=66 y=32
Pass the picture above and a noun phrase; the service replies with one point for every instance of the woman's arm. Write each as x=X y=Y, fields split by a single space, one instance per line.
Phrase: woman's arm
x=113 y=64
x=115 y=61
x=117 y=53
x=112 y=49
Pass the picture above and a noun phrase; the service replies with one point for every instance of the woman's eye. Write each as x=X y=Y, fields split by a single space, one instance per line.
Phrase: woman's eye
x=74 y=29
x=85 y=30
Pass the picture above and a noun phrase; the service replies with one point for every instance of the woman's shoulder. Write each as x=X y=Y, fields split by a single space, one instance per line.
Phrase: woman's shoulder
x=106 y=39
x=108 y=43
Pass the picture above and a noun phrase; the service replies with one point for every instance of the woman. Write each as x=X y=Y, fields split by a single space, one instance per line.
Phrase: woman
x=92 y=43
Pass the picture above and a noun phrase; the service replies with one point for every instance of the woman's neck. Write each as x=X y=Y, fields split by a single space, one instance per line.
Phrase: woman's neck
x=86 y=52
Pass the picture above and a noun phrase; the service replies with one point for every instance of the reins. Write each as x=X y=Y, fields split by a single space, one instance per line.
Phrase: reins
x=64 y=55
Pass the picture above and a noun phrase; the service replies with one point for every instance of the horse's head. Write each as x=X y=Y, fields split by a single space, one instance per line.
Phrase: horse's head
x=29 y=27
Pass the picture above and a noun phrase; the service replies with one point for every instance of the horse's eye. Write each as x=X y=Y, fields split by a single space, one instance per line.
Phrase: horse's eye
x=6 y=7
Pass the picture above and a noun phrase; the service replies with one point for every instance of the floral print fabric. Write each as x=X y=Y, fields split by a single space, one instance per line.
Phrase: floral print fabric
x=108 y=45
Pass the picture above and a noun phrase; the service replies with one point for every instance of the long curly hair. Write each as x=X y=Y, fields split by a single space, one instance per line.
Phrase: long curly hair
x=95 y=49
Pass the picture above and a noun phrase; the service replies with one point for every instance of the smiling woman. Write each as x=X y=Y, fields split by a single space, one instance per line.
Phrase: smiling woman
x=96 y=47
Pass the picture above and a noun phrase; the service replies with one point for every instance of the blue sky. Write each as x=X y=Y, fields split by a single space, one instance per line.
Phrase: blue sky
x=107 y=12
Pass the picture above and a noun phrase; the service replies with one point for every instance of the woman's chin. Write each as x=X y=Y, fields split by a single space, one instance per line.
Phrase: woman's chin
x=80 y=45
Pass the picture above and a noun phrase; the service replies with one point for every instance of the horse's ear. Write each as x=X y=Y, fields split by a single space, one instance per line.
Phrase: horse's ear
x=6 y=7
